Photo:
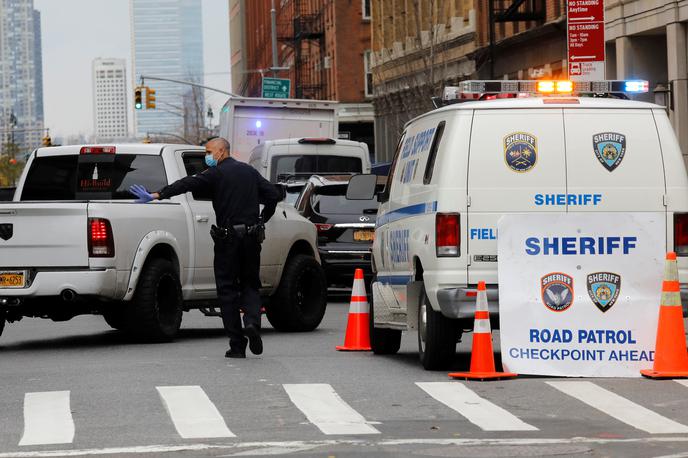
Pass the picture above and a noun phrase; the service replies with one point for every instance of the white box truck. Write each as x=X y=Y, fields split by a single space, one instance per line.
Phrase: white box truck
x=248 y=122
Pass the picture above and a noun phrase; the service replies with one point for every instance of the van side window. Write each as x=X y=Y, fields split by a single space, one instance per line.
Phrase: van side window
x=384 y=197
x=430 y=166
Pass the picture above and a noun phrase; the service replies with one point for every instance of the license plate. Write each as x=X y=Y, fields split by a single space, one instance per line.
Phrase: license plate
x=12 y=279
x=364 y=236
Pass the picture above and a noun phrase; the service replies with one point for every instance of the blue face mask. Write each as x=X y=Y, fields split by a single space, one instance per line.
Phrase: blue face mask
x=210 y=161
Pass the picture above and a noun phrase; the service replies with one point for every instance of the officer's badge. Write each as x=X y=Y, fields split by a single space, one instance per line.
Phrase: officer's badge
x=520 y=151
x=610 y=148
x=603 y=289
x=557 y=291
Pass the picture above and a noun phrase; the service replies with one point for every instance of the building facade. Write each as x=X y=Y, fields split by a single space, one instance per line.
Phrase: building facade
x=324 y=49
x=167 y=42
x=421 y=46
x=648 y=39
x=21 y=74
x=110 y=99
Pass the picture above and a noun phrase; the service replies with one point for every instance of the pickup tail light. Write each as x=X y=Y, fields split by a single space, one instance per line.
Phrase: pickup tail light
x=447 y=235
x=323 y=227
x=101 y=243
x=681 y=234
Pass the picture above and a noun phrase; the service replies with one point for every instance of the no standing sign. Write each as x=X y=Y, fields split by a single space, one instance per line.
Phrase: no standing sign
x=585 y=40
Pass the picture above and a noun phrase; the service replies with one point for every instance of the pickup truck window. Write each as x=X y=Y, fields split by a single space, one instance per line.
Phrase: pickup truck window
x=85 y=177
x=194 y=163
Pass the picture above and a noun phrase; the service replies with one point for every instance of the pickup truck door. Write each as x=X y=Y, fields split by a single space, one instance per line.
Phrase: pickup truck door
x=202 y=217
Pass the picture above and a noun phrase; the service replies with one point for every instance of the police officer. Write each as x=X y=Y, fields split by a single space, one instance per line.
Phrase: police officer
x=237 y=189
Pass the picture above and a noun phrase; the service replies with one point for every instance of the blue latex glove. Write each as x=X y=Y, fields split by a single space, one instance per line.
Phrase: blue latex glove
x=140 y=192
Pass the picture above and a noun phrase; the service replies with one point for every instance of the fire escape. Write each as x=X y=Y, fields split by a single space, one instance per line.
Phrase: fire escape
x=305 y=35
x=502 y=11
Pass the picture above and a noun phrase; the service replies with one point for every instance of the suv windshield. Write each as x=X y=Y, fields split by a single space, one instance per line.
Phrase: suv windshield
x=83 y=177
x=305 y=165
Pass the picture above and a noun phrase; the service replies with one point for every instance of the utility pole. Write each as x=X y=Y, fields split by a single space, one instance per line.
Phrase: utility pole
x=273 y=25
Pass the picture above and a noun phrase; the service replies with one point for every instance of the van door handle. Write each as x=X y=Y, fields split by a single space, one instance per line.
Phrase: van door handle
x=202 y=218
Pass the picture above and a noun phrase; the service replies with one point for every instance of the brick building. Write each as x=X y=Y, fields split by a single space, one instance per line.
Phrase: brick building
x=421 y=46
x=325 y=44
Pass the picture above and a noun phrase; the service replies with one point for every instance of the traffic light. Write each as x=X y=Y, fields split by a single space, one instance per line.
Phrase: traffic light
x=150 y=98
x=138 y=103
x=47 y=141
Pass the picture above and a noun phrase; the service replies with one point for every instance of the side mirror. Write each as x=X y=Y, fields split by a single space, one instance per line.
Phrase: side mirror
x=361 y=187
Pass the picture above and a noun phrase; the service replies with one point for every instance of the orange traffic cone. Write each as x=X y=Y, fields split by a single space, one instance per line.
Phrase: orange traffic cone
x=357 y=329
x=671 y=358
x=482 y=357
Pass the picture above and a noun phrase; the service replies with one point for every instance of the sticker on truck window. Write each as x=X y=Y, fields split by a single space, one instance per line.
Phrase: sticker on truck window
x=610 y=149
x=520 y=151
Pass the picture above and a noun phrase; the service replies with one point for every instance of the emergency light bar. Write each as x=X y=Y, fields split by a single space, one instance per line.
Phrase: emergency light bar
x=544 y=87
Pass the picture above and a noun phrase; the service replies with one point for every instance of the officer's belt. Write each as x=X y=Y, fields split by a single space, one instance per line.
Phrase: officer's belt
x=240 y=229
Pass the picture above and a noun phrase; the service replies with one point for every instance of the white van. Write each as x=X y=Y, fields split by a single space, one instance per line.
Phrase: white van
x=459 y=168
x=294 y=160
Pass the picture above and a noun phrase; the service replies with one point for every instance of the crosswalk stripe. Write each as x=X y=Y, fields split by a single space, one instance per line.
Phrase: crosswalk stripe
x=193 y=413
x=479 y=411
x=47 y=419
x=325 y=409
x=682 y=382
x=619 y=407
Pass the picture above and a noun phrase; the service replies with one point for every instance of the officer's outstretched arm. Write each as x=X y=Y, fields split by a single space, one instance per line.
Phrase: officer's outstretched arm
x=203 y=181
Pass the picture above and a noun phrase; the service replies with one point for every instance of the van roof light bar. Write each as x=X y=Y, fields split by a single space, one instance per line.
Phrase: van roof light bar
x=543 y=87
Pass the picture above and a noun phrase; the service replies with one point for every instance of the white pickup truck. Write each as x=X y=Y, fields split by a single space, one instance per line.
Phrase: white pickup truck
x=73 y=242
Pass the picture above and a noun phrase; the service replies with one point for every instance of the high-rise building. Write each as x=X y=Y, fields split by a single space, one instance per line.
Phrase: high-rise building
x=110 y=99
x=21 y=74
x=167 y=42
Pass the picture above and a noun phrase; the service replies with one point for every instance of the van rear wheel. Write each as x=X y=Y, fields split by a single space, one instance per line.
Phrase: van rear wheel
x=436 y=336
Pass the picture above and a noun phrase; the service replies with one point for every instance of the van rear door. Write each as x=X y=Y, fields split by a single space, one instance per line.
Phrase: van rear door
x=516 y=165
x=614 y=161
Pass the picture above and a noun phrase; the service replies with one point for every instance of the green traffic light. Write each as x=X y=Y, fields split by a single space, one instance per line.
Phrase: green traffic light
x=138 y=106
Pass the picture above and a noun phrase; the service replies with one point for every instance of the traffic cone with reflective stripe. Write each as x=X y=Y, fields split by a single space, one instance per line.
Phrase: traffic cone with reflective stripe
x=482 y=356
x=357 y=328
x=671 y=357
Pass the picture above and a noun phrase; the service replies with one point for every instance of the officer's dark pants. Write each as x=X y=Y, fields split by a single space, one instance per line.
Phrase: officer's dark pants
x=237 y=276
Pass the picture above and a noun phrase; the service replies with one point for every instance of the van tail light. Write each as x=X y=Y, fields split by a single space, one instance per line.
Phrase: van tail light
x=681 y=234
x=101 y=243
x=447 y=240
x=323 y=227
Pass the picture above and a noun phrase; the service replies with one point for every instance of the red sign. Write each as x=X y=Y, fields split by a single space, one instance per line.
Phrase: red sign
x=585 y=39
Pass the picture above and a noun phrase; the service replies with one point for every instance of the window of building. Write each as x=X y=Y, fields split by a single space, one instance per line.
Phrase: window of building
x=366 y=9
x=368 y=73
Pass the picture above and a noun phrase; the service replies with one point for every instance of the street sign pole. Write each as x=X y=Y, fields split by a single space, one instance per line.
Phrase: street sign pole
x=585 y=40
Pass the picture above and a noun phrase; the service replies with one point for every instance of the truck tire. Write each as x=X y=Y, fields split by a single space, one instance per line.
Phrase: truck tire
x=155 y=312
x=3 y=315
x=299 y=303
x=436 y=336
x=382 y=341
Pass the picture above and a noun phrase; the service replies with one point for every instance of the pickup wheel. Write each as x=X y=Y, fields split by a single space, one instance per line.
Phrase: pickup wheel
x=436 y=336
x=116 y=319
x=300 y=301
x=3 y=315
x=382 y=341
x=155 y=312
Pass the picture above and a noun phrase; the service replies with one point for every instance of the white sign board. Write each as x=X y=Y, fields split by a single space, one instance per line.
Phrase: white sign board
x=579 y=293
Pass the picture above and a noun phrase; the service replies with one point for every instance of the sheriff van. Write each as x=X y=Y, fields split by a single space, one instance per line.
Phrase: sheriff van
x=461 y=167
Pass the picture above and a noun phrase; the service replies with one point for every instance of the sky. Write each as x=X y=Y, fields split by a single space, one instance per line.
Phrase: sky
x=74 y=32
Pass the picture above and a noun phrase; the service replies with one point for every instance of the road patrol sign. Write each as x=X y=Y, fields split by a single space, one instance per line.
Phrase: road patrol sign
x=276 y=88
x=610 y=149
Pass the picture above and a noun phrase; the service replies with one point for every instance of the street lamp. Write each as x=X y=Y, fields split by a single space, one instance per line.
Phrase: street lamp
x=663 y=95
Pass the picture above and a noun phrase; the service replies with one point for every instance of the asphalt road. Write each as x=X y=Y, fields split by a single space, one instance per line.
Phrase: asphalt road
x=81 y=389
